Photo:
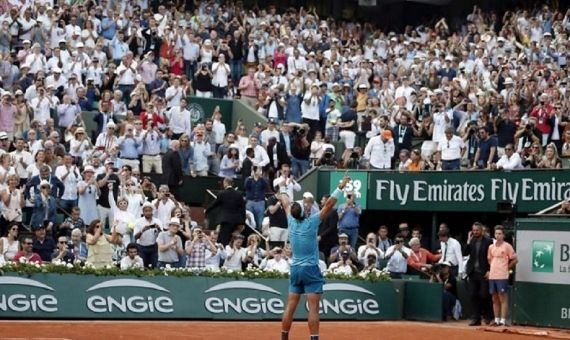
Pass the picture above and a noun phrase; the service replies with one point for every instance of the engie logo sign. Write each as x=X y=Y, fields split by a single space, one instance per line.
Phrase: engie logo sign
x=30 y=296
x=245 y=297
x=129 y=296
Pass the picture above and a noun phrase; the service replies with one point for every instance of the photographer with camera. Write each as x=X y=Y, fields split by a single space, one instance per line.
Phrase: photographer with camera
x=146 y=231
x=442 y=274
x=344 y=265
x=328 y=158
x=196 y=249
x=349 y=218
x=107 y=181
x=397 y=256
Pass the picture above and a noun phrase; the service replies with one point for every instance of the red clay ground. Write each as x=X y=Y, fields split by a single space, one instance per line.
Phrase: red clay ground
x=209 y=330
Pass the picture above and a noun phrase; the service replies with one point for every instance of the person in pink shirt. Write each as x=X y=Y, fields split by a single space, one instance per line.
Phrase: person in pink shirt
x=502 y=258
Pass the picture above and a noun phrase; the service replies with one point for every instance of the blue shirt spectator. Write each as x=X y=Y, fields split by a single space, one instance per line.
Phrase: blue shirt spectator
x=128 y=147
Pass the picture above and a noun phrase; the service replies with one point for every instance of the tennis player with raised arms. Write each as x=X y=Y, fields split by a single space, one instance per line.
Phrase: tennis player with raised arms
x=305 y=276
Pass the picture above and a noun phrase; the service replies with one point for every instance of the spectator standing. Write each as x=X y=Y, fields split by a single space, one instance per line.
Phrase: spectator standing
x=213 y=260
x=221 y=72
x=486 y=154
x=107 y=181
x=255 y=187
x=349 y=218
x=502 y=258
x=172 y=168
x=145 y=233
x=277 y=219
x=235 y=254
x=44 y=208
x=249 y=87
x=451 y=252
x=397 y=256
x=451 y=148
x=196 y=249
x=69 y=175
x=380 y=150
x=328 y=229
x=477 y=270
x=170 y=245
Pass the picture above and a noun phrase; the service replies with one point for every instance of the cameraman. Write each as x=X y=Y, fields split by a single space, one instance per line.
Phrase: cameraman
x=529 y=134
x=441 y=273
x=328 y=158
x=146 y=231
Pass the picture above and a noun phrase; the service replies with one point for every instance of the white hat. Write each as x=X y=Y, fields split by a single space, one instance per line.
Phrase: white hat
x=158 y=17
x=3 y=135
x=44 y=183
x=307 y=195
x=500 y=39
x=174 y=221
x=26 y=42
x=508 y=81
x=448 y=57
x=79 y=44
x=147 y=204
x=546 y=34
x=56 y=70
x=362 y=86
x=89 y=168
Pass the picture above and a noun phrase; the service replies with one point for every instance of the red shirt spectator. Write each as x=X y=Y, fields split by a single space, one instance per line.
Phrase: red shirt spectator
x=542 y=113
x=27 y=252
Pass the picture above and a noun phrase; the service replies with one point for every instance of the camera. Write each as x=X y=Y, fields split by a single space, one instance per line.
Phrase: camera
x=301 y=131
x=528 y=127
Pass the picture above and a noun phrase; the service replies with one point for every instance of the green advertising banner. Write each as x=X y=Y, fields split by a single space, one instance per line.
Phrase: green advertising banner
x=201 y=108
x=44 y=296
x=542 y=281
x=531 y=191
x=358 y=186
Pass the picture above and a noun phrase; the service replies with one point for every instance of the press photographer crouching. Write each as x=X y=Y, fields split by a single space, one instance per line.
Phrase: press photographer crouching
x=441 y=272
x=328 y=158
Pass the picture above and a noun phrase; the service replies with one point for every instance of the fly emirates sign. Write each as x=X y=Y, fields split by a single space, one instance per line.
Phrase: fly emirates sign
x=494 y=189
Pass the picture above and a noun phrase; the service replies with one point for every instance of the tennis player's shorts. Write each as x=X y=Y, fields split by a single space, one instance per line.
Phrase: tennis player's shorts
x=306 y=280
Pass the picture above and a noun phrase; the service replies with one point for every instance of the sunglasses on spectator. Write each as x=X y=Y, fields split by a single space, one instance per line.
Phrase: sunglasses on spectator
x=28 y=243
x=62 y=242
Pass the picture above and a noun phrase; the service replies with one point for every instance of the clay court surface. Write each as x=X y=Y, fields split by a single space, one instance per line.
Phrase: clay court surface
x=211 y=330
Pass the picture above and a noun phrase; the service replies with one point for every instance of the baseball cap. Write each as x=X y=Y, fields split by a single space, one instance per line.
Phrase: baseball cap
x=343 y=235
x=307 y=195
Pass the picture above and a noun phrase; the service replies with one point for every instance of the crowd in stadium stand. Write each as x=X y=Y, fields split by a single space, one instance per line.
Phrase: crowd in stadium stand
x=490 y=94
